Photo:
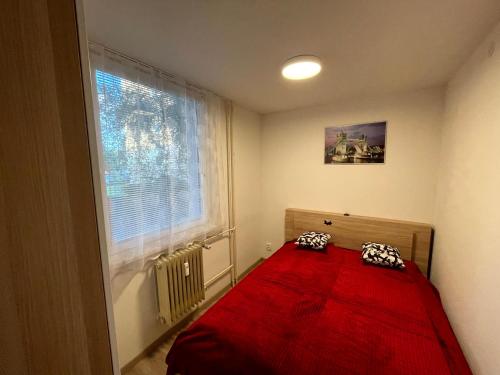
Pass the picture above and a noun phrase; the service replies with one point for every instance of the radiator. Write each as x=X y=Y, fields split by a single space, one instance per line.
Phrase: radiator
x=179 y=281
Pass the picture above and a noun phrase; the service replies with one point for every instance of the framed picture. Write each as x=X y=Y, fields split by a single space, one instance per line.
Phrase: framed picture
x=355 y=144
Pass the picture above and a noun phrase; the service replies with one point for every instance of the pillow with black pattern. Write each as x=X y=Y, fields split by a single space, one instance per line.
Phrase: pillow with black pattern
x=313 y=240
x=382 y=255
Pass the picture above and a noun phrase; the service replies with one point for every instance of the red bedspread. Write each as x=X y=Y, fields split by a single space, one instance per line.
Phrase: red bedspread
x=309 y=312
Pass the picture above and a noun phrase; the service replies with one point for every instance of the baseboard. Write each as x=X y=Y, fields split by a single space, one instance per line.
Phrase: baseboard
x=250 y=269
x=182 y=323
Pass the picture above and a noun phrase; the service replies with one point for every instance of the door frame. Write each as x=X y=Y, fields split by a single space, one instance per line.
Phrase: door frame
x=53 y=273
x=91 y=130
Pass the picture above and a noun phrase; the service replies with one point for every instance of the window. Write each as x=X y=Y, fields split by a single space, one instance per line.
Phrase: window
x=159 y=157
x=149 y=150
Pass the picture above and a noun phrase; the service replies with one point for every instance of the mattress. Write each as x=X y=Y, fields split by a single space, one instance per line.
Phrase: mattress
x=322 y=312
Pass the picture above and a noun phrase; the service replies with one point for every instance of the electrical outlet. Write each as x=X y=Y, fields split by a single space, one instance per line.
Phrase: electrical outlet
x=268 y=246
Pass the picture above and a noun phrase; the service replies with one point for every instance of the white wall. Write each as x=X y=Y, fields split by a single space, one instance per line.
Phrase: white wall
x=294 y=173
x=135 y=309
x=247 y=187
x=466 y=265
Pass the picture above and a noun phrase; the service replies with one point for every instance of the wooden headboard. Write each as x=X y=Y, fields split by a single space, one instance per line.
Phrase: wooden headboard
x=414 y=240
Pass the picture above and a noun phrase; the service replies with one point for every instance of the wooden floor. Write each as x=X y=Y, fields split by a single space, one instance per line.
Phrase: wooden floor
x=154 y=364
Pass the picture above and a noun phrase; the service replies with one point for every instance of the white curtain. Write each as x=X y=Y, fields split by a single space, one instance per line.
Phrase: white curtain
x=162 y=158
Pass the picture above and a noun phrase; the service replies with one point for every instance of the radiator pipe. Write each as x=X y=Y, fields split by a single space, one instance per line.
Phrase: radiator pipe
x=230 y=187
x=217 y=277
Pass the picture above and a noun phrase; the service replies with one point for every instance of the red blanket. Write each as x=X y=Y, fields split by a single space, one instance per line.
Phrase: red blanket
x=310 y=312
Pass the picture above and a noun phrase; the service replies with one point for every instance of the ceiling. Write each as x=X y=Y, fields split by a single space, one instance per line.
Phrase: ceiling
x=236 y=47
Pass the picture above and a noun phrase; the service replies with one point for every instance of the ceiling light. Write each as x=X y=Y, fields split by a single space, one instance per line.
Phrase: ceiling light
x=301 y=67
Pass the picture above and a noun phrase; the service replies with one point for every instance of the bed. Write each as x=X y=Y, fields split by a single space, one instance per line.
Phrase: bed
x=326 y=312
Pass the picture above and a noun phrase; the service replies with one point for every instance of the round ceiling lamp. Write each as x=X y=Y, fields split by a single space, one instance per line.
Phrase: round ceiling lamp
x=301 y=67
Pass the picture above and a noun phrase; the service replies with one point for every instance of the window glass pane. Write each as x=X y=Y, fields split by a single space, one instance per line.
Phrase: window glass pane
x=150 y=157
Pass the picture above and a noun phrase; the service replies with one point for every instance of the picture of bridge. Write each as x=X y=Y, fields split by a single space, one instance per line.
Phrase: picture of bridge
x=355 y=144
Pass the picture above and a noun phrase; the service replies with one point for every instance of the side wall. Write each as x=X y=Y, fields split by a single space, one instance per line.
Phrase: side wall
x=247 y=187
x=294 y=173
x=465 y=264
x=135 y=309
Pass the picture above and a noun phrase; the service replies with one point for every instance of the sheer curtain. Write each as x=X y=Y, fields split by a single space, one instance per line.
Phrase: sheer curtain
x=162 y=159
